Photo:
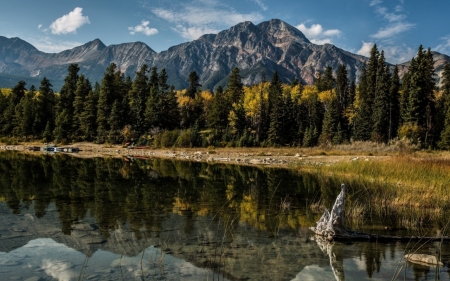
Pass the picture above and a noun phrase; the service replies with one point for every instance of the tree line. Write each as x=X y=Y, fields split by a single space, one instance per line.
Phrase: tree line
x=148 y=111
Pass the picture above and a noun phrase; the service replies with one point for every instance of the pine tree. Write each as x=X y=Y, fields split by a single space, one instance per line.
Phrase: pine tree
x=234 y=94
x=171 y=117
x=88 y=119
x=217 y=117
x=344 y=100
x=112 y=88
x=418 y=102
x=81 y=93
x=367 y=87
x=138 y=96
x=325 y=81
x=394 y=104
x=275 y=134
x=7 y=120
x=115 y=122
x=194 y=85
x=330 y=121
x=62 y=127
x=192 y=112
x=380 y=116
x=67 y=95
x=24 y=115
x=44 y=108
x=444 y=142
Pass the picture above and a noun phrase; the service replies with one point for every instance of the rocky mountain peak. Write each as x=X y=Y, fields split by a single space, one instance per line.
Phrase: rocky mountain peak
x=15 y=46
x=282 y=31
x=96 y=44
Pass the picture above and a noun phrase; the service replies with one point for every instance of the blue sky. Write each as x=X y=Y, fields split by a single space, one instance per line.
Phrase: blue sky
x=397 y=26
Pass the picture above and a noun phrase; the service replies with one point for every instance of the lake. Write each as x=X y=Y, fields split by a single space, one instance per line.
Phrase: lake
x=68 y=218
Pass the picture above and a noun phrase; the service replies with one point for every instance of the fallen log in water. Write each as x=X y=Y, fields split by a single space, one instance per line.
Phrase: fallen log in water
x=331 y=226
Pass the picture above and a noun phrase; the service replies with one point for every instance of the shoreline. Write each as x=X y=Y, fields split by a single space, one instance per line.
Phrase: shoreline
x=290 y=157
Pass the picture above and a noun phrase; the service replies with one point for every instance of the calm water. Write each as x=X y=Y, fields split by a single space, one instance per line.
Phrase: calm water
x=65 y=218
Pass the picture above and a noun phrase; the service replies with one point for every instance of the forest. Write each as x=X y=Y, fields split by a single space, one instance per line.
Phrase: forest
x=147 y=111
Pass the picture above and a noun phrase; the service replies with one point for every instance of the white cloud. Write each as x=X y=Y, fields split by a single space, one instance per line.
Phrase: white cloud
x=58 y=270
x=261 y=4
x=40 y=26
x=375 y=2
x=392 y=30
x=397 y=22
x=317 y=35
x=365 y=49
x=444 y=47
x=143 y=28
x=203 y=16
x=69 y=23
x=398 y=8
x=192 y=32
x=50 y=45
x=398 y=54
x=393 y=54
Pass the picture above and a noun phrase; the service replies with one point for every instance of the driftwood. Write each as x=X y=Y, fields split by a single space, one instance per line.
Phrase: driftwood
x=331 y=226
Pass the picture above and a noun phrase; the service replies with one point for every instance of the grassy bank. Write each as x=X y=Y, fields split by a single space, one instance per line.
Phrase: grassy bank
x=413 y=190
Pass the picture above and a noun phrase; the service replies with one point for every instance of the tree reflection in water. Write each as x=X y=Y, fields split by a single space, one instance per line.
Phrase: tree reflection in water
x=243 y=221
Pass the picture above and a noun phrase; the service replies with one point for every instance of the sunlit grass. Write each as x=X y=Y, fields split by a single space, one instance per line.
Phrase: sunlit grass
x=416 y=190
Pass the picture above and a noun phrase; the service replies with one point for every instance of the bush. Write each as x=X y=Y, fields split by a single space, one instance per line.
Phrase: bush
x=411 y=132
x=185 y=139
x=169 y=138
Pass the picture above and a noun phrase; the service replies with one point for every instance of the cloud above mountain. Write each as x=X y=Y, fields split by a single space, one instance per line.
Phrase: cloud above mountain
x=69 y=23
x=143 y=28
x=317 y=34
x=193 y=19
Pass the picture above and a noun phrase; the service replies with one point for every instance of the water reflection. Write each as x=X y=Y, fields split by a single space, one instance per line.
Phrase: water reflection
x=181 y=220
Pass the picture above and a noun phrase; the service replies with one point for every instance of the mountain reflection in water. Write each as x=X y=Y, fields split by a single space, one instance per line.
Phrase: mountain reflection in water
x=65 y=218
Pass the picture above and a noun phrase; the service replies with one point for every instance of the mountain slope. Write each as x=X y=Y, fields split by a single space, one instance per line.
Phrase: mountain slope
x=258 y=50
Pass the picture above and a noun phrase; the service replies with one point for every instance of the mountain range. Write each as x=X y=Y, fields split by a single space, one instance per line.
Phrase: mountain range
x=257 y=50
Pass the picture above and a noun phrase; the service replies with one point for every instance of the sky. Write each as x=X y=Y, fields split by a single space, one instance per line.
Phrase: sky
x=398 y=27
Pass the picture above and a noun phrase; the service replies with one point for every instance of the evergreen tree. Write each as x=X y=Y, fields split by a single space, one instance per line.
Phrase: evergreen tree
x=67 y=95
x=217 y=116
x=112 y=88
x=44 y=108
x=367 y=88
x=88 y=119
x=419 y=101
x=394 y=104
x=171 y=116
x=325 y=81
x=234 y=94
x=194 y=85
x=275 y=134
x=138 y=96
x=24 y=115
x=81 y=93
x=330 y=122
x=153 y=107
x=344 y=100
x=7 y=120
x=190 y=113
x=380 y=116
x=444 y=142
x=62 y=127
x=115 y=122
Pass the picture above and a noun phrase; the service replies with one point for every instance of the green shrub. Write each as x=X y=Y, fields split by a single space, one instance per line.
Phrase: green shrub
x=169 y=138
